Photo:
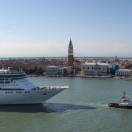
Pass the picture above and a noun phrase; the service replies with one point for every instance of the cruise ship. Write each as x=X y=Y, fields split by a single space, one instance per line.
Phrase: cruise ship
x=15 y=88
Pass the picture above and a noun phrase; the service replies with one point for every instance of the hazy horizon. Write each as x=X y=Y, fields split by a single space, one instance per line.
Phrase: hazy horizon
x=37 y=28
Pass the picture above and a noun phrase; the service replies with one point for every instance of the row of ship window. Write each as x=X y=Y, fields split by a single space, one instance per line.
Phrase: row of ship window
x=7 y=92
x=10 y=92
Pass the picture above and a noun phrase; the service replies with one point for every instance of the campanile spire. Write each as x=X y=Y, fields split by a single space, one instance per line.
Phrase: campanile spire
x=70 y=54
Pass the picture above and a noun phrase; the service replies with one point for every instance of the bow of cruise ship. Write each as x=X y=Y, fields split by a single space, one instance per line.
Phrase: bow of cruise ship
x=15 y=88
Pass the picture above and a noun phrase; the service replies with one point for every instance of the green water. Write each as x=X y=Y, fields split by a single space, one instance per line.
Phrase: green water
x=81 y=108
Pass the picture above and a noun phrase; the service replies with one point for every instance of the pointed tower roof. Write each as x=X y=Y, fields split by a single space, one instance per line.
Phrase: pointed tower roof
x=70 y=44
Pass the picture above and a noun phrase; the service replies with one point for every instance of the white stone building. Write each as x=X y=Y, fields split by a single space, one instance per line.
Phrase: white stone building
x=95 y=69
x=58 y=71
x=123 y=72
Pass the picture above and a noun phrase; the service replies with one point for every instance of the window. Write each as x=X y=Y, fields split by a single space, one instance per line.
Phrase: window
x=27 y=91
x=18 y=92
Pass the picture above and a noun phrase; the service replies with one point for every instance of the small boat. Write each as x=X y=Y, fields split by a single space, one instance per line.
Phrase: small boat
x=124 y=103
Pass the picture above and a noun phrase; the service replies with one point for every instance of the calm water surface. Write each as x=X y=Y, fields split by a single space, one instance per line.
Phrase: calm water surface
x=81 y=108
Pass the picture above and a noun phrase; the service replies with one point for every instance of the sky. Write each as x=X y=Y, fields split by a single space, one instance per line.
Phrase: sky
x=37 y=28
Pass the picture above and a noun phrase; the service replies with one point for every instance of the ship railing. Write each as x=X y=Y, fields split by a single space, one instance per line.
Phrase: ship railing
x=54 y=87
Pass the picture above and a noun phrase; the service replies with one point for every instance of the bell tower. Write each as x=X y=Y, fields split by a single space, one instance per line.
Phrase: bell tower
x=70 y=54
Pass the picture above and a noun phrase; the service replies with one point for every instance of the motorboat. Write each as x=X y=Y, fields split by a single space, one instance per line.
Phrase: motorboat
x=123 y=103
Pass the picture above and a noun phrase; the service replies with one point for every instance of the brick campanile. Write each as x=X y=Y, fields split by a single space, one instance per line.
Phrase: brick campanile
x=70 y=54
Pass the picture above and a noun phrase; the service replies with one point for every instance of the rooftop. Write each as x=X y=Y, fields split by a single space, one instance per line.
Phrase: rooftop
x=98 y=63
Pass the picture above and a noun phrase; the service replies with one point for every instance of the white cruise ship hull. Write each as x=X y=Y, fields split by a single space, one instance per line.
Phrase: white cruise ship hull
x=15 y=88
x=27 y=97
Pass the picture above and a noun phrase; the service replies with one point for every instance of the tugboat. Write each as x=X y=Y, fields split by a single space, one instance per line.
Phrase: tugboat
x=124 y=103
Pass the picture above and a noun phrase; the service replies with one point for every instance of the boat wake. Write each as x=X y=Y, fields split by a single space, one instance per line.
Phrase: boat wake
x=46 y=107
x=60 y=107
x=98 y=105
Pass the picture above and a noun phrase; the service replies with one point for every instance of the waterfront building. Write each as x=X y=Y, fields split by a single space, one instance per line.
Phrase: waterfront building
x=123 y=72
x=95 y=69
x=52 y=70
x=58 y=71
x=113 y=68
x=70 y=54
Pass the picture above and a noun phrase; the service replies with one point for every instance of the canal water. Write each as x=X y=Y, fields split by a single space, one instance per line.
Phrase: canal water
x=81 y=108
